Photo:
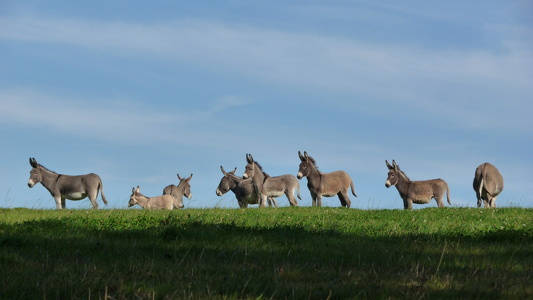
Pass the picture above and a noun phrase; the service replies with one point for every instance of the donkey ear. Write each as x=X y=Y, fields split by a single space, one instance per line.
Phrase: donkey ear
x=188 y=178
x=249 y=158
x=222 y=169
x=395 y=165
x=138 y=190
x=233 y=172
x=33 y=162
x=388 y=165
x=179 y=177
x=305 y=154
x=301 y=157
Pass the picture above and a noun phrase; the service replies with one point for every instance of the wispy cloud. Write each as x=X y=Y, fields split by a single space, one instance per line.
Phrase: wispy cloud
x=424 y=80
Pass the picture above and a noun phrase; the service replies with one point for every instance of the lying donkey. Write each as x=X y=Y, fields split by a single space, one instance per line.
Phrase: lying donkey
x=242 y=188
x=178 y=191
x=159 y=202
x=63 y=187
x=419 y=192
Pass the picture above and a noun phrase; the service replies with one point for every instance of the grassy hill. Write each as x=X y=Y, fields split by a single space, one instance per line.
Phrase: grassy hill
x=278 y=253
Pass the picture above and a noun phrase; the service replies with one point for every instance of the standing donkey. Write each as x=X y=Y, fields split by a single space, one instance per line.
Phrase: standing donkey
x=63 y=187
x=488 y=184
x=242 y=188
x=159 y=202
x=178 y=191
x=419 y=192
x=325 y=184
x=266 y=186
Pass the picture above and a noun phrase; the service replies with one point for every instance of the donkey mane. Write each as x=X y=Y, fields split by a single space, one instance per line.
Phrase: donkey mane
x=261 y=168
x=312 y=160
x=48 y=169
x=403 y=174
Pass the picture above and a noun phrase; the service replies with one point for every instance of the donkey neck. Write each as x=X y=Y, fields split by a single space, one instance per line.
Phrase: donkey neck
x=403 y=183
x=314 y=176
x=142 y=200
x=234 y=181
x=49 y=179
x=259 y=177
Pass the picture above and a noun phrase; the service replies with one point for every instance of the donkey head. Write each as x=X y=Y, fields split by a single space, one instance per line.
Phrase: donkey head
x=224 y=185
x=305 y=166
x=185 y=186
x=250 y=166
x=135 y=192
x=35 y=173
x=392 y=178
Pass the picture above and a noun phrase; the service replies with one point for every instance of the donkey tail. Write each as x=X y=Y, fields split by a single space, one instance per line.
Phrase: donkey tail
x=102 y=192
x=448 y=193
x=353 y=189
x=298 y=190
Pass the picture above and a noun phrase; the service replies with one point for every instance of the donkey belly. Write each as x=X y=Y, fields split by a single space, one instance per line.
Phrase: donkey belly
x=74 y=196
x=275 y=193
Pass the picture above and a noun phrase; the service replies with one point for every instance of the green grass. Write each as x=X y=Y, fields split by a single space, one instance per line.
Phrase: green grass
x=282 y=253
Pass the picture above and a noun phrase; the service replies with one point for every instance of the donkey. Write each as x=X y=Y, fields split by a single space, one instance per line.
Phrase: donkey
x=159 y=202
x=488 y=184
x=242 y=188
x=325 y=184
x=63 y=187
x=182 y=189
x=266 y=186
x=419 y=192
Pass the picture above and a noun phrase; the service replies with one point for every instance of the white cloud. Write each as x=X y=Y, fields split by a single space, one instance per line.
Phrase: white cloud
x=424 y=80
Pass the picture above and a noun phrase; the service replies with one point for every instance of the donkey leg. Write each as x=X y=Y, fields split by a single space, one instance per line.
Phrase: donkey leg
x=439 y=201
x=58 y=201
x=343 y=197
x=408 y=203
x=262 y=200
x=319 y=200
x=313 y=198
x=347 y=201
x=290 y=196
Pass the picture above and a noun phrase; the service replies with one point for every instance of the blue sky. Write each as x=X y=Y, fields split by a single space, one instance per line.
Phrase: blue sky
x=138 y=91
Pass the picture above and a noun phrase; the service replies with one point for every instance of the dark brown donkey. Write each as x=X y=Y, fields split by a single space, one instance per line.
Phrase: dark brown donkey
x=63 y=187
x=419 y=192
x=325 y=184
x=267 y=186
x=178 y=191
x=488 y=184
x=242 y=188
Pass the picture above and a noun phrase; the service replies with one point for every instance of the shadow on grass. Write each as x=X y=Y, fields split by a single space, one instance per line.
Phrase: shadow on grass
x=174 y=259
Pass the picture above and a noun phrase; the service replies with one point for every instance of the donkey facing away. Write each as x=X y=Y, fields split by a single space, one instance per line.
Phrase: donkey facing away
x=63 y=187
x=159 y=202
x=242 y=188
x=419 y=192
x=178 y=191
x=266 y=186
x=325 y=184
x=488 y=184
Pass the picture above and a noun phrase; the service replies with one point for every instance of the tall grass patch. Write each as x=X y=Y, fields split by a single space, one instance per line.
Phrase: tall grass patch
x=282 y=253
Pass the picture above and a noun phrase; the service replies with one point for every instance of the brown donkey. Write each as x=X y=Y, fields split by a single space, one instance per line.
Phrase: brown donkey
x=419 y=192
x=266 y=186
x=178 y=191
x=325 y=184
x=159 y=202
x=488 y=184
x=242 y=188
x=63 y=187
